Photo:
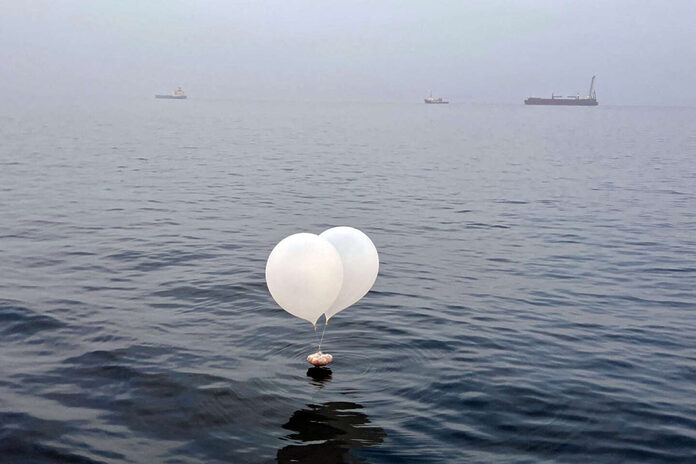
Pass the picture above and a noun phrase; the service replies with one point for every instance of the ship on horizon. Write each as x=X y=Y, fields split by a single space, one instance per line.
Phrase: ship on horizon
x=177 y=95
x=577 y=100
x=435 y=101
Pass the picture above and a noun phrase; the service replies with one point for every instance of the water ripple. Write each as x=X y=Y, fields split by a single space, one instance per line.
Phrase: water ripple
x=535 y=301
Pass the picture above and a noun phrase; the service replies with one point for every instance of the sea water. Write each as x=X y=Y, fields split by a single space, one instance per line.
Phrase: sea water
x=536 y=299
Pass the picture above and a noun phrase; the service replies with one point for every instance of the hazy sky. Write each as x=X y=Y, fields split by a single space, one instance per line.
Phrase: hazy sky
x=643 y=52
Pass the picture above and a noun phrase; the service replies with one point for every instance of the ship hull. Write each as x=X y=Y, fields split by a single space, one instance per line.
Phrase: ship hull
x=172 y=97
x=436 y=102
x=561 y=101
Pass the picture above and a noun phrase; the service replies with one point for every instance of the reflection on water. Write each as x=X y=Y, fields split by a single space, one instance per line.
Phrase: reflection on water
x=319 y=375
x=327 y=433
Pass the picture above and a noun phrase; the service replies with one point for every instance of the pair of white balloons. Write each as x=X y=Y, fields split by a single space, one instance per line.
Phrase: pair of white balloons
x=309 y=275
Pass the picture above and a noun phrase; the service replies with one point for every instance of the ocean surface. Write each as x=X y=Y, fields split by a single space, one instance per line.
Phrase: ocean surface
x=536 y=301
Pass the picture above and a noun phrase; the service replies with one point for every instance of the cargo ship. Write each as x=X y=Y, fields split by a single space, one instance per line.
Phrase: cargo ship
x=177 y=95
x=435 y=101
x=577 y=100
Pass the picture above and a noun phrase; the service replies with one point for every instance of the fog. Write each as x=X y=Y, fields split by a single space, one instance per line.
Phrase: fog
x=643 y=52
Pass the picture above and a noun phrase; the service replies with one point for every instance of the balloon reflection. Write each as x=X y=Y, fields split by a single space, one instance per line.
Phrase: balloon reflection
x=331 y=430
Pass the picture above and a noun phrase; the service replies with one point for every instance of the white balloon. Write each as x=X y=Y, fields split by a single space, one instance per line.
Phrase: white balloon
x=304 y=274
x=360 y=265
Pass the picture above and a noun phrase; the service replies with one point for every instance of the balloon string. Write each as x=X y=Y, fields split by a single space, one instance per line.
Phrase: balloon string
x=316 y=336
x=322 y=335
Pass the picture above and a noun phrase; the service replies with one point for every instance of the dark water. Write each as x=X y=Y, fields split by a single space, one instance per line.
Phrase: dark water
x=536 y=301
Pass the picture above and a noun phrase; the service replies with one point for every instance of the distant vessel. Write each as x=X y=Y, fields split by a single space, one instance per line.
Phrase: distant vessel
x=577 y=100
x=177 y=95
x=435 y=101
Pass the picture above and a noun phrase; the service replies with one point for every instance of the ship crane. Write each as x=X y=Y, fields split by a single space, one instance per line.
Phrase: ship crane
x=592 y=92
